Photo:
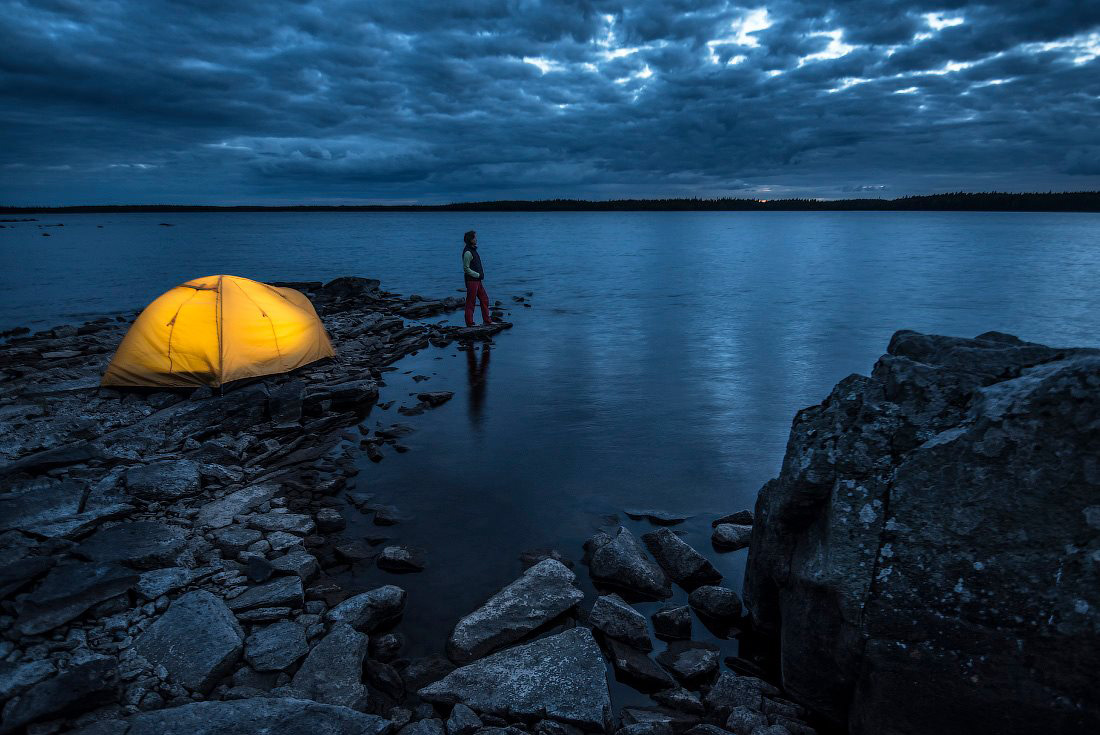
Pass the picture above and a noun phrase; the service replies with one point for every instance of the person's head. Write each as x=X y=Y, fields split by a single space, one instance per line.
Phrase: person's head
x=470 y=238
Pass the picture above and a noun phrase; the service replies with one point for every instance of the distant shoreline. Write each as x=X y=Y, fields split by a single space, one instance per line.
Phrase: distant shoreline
x=1082 y=201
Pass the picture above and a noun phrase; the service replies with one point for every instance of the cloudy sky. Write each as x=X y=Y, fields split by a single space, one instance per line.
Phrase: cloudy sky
x=277 y=101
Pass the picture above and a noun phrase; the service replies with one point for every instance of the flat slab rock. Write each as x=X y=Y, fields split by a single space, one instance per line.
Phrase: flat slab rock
x=280 y=715
x=70 y=589
x=167 y=480
x=562 y=677
x=544 y=592
x=140 y=544
x=220 y=513
x=80 y=687
x=197 y=640
x=333 y=670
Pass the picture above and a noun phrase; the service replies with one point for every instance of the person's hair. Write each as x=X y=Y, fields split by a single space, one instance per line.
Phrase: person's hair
x=468 y=236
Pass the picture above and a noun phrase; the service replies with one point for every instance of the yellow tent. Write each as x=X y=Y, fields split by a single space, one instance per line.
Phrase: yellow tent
x=215 y=330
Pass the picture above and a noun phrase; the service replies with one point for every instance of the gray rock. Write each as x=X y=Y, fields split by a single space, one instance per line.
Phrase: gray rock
x=427 y=726
x=672 y=623
x=22 y=572
x=463 y=721
x=621 y=562
x=234 y=539
x=330 y=520
x=731 y=691
x=744 y=721
x=221 y=513
x=615 y=618
x=16 y=677
x=691 y=662
x=715 y=603
x=680 y=699
x=39 y=502
x=300 y=563
x=295 y=523
x=157 y=582
x=544 y=592
x=168 y=480
x=276 y=647
x=139 y=544
x=79 y=688
x=333 y=671
x=264 y=614
x=687 y=567
x=197 y=640
x=636 y=668
x=730 y=536
x=282 y=541
x=370 y=610
x=260 y=715
x=401 y=559
x=897 y=553
x=258 y=568
x=562 y=677
x=740 y=518
x=280 y=592
x=423 y=671
x=435 y=398
x=68 y=591
x=771 y=730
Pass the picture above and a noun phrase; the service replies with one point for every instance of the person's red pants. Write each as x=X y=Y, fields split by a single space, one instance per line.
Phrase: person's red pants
x=475 y=290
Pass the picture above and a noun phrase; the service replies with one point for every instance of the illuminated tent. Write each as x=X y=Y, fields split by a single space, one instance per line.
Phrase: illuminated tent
x=215 y=330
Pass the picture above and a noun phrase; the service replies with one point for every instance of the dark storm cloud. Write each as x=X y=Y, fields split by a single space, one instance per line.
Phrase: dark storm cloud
x=278 y=100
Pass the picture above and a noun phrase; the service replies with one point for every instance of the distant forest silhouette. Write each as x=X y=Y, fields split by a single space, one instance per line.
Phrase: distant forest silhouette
x=1080 y=201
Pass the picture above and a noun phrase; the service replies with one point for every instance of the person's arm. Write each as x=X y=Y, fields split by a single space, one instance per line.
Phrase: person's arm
x=467 y=257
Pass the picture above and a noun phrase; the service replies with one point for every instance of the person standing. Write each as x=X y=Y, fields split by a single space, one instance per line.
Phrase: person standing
x=475 y=277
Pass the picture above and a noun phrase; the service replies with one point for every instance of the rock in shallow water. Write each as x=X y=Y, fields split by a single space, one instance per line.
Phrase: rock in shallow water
x=544 y=592
x=562 y=677
x=687 y=567
x=197 y=640
x=731 y=536
x=333 y=671
x=370 y=610
x=719 y=604
x=621 y=562
x=615 y=618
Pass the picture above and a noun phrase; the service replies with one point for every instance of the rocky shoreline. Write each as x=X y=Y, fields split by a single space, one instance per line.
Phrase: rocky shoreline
x=166 y=562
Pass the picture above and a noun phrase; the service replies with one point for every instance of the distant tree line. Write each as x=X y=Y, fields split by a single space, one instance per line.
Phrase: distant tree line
x=1075 y=201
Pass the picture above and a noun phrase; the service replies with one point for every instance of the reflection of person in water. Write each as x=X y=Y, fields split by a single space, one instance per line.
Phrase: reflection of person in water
x=478 y=374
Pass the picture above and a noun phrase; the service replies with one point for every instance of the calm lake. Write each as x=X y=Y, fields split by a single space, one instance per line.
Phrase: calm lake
x=659 y=365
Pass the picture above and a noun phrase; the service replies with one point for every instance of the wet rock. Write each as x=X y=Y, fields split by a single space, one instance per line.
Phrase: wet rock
x=657 y=517
x=716 y=603
x=330 y=520
x=423 y=671
x=333 y=671
x=435 y=398
x=68 y=591
x=296 y=523
x=168 y=480
x=463 y=720
x=745 y=721
x=531 y=557
x=232 y=540
x=740 y=518
x=544 y=592
x=370 y=610
x=680 y=699
x=281 y=592
x=220 y=513
x=384 y=678
x=353 y=551
x=731 y=537
x=300 y=563
x=621 y=562
x=79 y=688
x=561 y=677
x=636 y=668
x=672 y=623
x=17 y=677
x=687 y=567
x=276 y=647
x=387 y=646
x=935 y=489
x=615 y=618
x=259 y=715
x=691 y=662
x=401 y=559
x=197 y=640
x=139 y=544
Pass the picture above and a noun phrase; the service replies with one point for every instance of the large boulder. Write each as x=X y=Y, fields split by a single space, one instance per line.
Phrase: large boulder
x=259 y=715
x=927 y=555
x=544 y=592
x=333 y=670
x=197 y=640
x=562 y=678
x=620 y=561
